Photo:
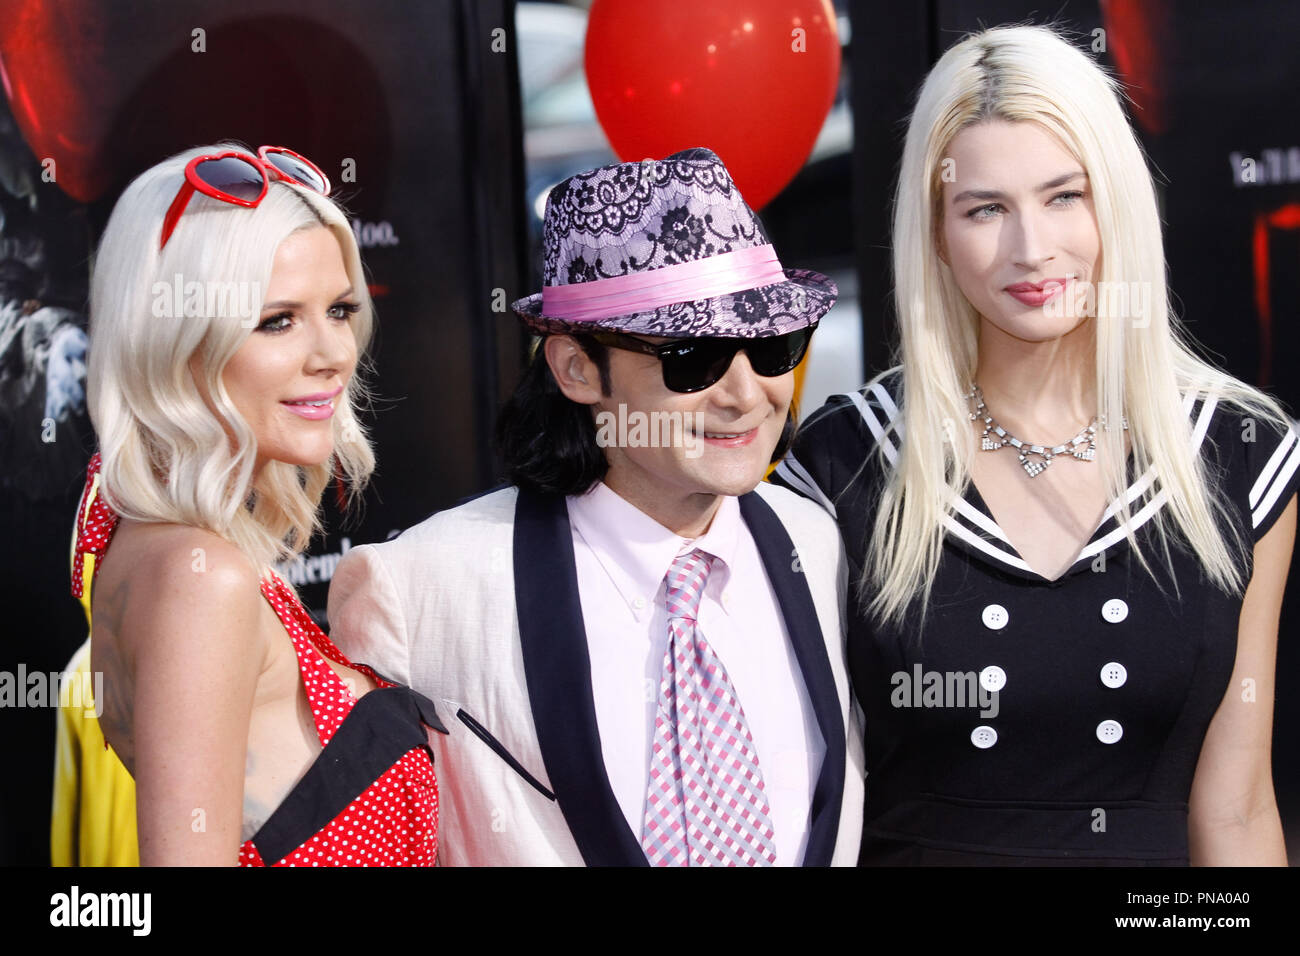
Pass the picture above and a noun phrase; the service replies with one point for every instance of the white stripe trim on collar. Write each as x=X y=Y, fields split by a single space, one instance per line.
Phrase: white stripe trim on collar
x=1271 y=466
x=1279 y=483
x=1203 y=422
x=873 y=423
x=979 y=518
x=965 y=510
x=1198 y=438
x=975 y=540
x=886 y=400
x=1140 y=486
x=798 y=477
x=1142 y=517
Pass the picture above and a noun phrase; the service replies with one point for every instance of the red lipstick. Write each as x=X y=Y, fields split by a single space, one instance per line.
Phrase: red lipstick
x=1036 y=293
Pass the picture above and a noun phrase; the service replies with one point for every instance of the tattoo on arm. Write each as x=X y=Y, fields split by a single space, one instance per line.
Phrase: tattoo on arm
x=255 y=811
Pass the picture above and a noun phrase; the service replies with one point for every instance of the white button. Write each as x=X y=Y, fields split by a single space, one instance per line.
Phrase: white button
x=995 y=617
x=638 y=603
x=1109 y=731
x=1114 y=610
x=993 y=678
x=1114 y=674
x=984 y=737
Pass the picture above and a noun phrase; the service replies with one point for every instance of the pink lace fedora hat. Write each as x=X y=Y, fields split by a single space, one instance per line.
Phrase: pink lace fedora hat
x=668 y=248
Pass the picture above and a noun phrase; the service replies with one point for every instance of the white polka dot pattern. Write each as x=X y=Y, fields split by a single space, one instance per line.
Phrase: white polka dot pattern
x=395 y=821
x=96 y=522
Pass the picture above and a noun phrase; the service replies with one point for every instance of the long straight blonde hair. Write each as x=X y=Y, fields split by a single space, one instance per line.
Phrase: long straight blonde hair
x=1032 y=74
x=166 y=456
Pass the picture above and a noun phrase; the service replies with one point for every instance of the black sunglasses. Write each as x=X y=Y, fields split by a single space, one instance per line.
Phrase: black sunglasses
x=692 y=365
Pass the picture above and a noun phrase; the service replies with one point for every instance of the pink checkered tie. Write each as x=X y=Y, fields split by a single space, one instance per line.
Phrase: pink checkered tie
x=706 y=804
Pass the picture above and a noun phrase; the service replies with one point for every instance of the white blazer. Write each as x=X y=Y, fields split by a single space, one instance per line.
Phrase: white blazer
x=477 y=607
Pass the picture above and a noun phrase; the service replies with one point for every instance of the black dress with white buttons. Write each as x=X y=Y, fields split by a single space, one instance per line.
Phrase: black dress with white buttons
x=1039 y=722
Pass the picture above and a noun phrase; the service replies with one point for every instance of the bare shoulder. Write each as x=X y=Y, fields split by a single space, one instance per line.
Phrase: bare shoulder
x=180 y=584
x=179 y=634
x=1272 y=562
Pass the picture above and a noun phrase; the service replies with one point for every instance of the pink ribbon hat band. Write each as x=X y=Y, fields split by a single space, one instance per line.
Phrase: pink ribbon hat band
x=717 y=275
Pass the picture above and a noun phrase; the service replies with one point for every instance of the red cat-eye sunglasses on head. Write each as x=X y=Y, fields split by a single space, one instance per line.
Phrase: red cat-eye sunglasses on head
x=243 y=179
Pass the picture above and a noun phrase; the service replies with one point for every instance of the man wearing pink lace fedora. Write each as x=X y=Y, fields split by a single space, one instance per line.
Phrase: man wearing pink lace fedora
x=641 y=645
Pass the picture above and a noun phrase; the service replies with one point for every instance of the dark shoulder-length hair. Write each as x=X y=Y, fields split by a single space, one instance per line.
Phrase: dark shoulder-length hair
x=548 y=442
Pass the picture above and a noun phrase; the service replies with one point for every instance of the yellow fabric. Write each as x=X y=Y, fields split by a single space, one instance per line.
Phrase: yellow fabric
x=92 y=821
x=93 y=817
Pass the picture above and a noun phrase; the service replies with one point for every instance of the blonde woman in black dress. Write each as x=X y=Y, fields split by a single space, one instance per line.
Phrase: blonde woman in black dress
x=1065 y=651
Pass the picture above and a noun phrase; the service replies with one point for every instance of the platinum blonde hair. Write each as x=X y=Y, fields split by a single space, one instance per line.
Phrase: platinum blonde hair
x=166 y=456
x=1031 y=74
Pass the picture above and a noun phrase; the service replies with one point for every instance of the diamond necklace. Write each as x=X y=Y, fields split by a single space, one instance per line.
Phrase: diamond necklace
x=995 y=436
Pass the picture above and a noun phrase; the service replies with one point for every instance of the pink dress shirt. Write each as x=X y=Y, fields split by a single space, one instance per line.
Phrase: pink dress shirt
x=622 y=555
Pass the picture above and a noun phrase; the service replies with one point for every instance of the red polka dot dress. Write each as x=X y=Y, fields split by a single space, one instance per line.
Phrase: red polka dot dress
x=371 y=796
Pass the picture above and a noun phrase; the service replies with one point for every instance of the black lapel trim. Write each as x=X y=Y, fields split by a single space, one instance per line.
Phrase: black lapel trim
x=423 y=705
x=791 y=588
x=381 y=727
x=558 y=673
x=498 y=748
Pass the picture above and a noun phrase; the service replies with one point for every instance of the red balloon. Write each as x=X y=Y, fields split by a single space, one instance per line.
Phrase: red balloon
x=752 y=80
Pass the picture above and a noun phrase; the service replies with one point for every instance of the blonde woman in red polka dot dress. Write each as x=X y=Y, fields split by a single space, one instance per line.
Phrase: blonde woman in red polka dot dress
x=228 y=311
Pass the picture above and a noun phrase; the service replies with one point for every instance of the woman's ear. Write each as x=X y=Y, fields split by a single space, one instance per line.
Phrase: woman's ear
x=575 y=373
